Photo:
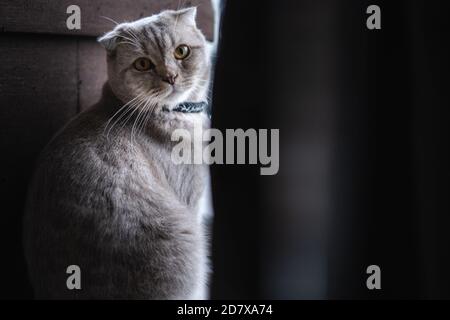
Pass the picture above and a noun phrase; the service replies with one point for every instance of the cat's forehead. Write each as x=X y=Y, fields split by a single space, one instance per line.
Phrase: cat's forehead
x=160 y=20
x=165 y=21
x=164 y=29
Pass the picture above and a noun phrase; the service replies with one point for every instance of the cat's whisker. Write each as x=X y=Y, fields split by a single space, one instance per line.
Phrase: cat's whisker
x=194 y=77
x=130 y=41
x=200 y=87
x=131 y=107
x=126 y=104
x=146 y=116
x=178 y=8
x=128 y=38
x=148 y=110
x=137 y=107
x=134 y=36
x=109 y=19
x=201 y=81
x=137 y=120
x=119 y=110
x=142 y=102
x=180 y=5
x=191 y=81
x=141 y=121
x=153 y=105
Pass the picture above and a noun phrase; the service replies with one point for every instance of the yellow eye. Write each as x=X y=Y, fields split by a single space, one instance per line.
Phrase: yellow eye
x=182 y=52
x=143 y=64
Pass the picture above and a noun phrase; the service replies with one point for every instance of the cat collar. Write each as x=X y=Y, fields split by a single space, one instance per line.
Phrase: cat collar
x=191 y=107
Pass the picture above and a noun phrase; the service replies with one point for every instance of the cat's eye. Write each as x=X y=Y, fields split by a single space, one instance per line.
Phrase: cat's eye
x=182 y=52
x=143 y=64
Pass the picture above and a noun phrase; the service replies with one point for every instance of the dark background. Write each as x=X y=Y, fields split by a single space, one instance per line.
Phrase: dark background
x=364 y=159
x=364 y=148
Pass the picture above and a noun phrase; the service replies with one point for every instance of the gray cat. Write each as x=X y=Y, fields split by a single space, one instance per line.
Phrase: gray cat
x=106 y=195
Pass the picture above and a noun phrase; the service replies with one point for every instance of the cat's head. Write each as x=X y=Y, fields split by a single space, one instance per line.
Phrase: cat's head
x=163 y=57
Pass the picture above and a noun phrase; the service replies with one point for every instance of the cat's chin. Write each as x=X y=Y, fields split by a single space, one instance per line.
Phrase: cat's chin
x=174 y=99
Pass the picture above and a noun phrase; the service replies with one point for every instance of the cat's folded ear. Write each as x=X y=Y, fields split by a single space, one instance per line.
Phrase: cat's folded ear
x=186 y=15
x=109 y=40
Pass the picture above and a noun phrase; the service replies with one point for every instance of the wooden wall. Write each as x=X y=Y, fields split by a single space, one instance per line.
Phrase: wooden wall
x=47 y=75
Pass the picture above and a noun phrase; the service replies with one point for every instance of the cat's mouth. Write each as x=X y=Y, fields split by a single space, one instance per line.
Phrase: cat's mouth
x=174 y=88
x=172 y=91
x=169 y=94
x=172 y=94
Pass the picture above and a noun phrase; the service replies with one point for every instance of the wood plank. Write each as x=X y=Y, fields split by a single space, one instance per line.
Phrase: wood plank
x=38 y=95
x=92 y=73
x=49 y=16
x=37 y=86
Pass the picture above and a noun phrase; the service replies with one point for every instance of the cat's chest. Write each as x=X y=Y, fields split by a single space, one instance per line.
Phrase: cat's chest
x=187 y=181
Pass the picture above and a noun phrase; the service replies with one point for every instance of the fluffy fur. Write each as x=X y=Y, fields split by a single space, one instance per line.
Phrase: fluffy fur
x=106 y=195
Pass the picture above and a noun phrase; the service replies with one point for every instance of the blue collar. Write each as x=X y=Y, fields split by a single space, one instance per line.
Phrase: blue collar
x=191 y=107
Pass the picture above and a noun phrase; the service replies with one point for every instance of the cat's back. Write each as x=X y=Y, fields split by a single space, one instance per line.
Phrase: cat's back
x=85 y=165
x=77 y=179
x=83 y=147
x=96 y=201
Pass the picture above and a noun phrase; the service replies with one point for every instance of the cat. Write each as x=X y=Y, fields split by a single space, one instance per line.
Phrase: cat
x=105 y=195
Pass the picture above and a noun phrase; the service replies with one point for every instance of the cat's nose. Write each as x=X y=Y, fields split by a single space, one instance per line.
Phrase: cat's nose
x=170 y=78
